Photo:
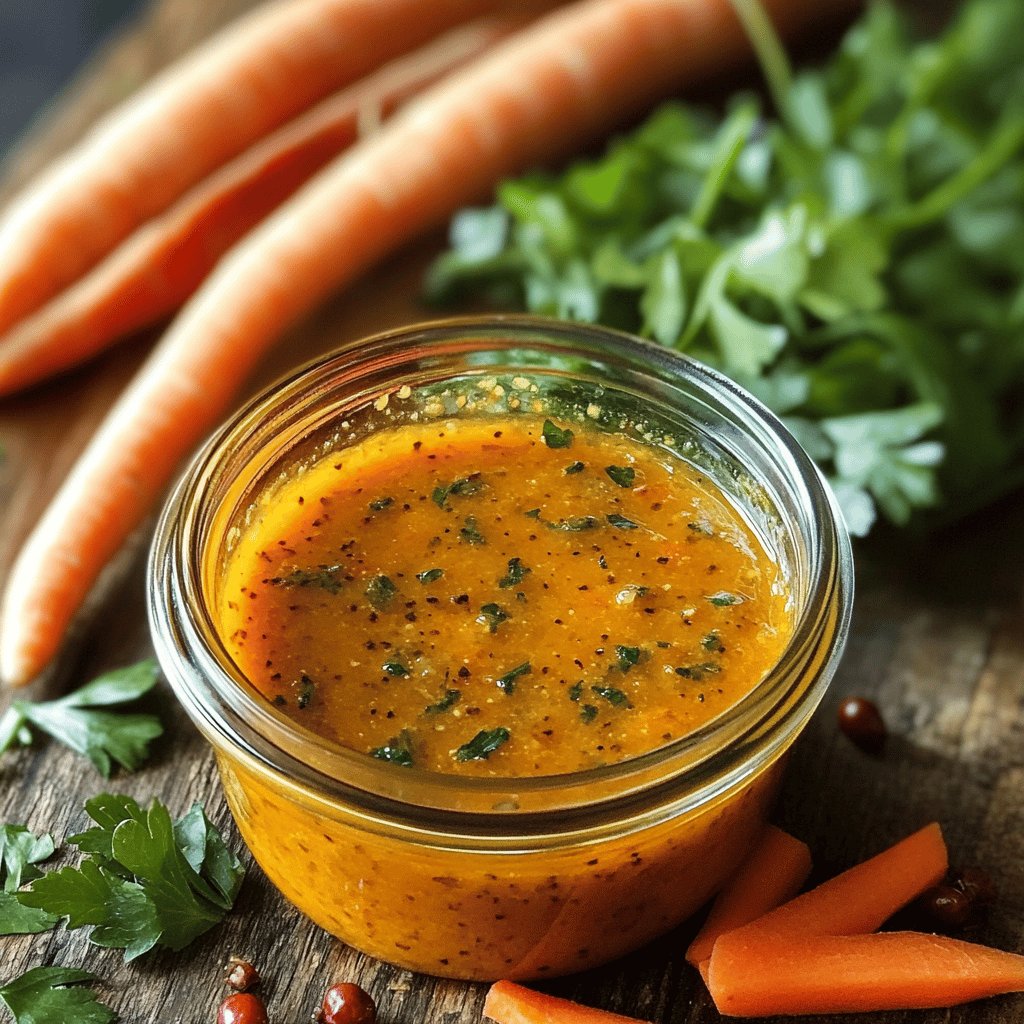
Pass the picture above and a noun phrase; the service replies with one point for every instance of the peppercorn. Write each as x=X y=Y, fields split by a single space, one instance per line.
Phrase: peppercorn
x=947 y=907
x=862 y=723
x=242 y=1008
x=346 y=1003
x=241 y=975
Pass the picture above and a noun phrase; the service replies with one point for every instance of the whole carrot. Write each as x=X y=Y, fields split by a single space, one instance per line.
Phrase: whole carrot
x=244 y=82
x=533 y=97
x=163 y=262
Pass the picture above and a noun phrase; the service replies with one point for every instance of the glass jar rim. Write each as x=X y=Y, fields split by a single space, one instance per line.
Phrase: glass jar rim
x=684 y=772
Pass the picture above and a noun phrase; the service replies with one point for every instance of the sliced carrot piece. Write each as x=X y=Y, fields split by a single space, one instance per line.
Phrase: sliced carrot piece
x=772 y=874
x=861 y=899
x=754 y=974
x=509 y=1003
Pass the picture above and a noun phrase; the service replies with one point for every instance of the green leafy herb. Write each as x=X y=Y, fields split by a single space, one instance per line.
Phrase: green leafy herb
x=145 y=881
x=379 y=504
x=463 y=487
x=613 y=696
x=395 y=668
x=533 y=513
x=724 y=599
x=397 y=750
x=470 y=533
x=576 y=691
x=627 y=656
x=449 y=700
x=105 y=737
x=483 y=744
x=307 y=691
x=323 y=577
x=555 y=436
x=20 y=851
x=856 y=261
x=492 y=616
x=43 y=996
x=573 y=468
x=430 y=576
x=507 y=682
x=380 y=592
x=588 y=712
x=621 y=475
x=517 y=572
x=575 y=524
x=698 y=672
x=621 y=522
x=713 y=642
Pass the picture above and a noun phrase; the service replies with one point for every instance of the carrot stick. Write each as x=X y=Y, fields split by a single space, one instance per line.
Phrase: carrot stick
x=200 y=112
x=754 y=974
x=159 y=266
x=861 y=899
x=534 y=96
x=509 y=1003
x=771 y=875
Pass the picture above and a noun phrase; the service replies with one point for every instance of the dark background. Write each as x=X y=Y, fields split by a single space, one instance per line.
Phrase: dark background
x=42 y=44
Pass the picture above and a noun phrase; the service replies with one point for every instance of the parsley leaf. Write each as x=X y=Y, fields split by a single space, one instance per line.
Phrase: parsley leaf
x=492 y=616
x=575 y=524
x=20 y=850
x=145 y=881
x=380 y=504
x=621 y=522
x=429 y=576
x=723 y=599
x=396 y=668
x=588 y=712
x=556 y=436
x=627 y=656
x=105 y=737
x=621 y=475
x=323 y=577
x=42 y=996
x=517 y=572
x=449 y=700
x=573 y=468
x=612 y=695
x=380 y=592
x=463 y=487
x=397 y=750
x=470 y=534
x=483 y=744
x=507 y=682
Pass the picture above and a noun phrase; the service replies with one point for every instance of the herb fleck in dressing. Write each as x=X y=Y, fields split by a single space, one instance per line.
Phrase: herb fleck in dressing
x=509 y=613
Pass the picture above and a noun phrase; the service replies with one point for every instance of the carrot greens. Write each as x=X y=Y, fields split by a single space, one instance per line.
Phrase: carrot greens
x=856 y=259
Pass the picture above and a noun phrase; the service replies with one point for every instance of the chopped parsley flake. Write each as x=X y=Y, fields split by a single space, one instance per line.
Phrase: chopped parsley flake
x=713 y=642
x=381 y=591
x=723 y=599
x=517 y=572
x=576 y=691
x=627 y=656
x=621 y=521
x=469 y=533
x=430 y=576
x=613 y=696
x=622 y=475
x=575 y=524
x=507 y=682
x=325 y=577
x=588 y=712
x=557 y=437
x=533 y=513
x=698 y=672
x=463 y=487
x=395 y=668
x=492 y=616
x=380 y=504
x=449 y=700
x=397 y=750
x=573 y=468
x=307 y=690
x=483 y=744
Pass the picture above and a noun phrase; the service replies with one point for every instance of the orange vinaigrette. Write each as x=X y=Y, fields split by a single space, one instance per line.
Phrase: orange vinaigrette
x=512 y=597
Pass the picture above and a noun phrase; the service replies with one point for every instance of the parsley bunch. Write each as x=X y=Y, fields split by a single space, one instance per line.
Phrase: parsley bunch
x=856 y=261
x=145 y=881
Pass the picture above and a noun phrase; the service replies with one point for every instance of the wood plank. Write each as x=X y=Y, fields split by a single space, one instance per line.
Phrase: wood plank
x=937 y=640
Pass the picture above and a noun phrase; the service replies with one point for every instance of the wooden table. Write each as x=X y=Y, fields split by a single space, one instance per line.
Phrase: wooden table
x=937 y=641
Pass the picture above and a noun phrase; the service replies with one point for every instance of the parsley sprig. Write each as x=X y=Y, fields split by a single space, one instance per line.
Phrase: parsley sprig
x=855 y=260
x=105 y=737
x=20 y=852
x=44 y=995
x=145 y=879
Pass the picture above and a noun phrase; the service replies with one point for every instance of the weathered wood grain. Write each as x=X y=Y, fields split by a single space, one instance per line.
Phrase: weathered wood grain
x=937 y=640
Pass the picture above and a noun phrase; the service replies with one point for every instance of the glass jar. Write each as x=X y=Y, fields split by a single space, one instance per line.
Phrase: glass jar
x=509 y=877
